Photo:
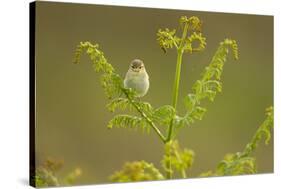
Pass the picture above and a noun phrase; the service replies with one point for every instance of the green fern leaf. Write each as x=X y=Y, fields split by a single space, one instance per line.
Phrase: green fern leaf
x=120 y=103
x=263 y=130
x=164 y=114
x=126 y=104
x=209 y=85
x=110 y=81
x=242 y=162
x=128 y=121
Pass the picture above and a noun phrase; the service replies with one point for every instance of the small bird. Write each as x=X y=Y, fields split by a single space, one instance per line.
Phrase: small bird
x=137 y=78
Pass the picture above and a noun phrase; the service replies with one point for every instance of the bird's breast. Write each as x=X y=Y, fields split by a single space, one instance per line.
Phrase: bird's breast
x=138 y=81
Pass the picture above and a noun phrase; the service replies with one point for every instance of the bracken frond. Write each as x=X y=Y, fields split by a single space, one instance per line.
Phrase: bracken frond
x=137 y=171
x=242 y=162
x=110 y=81
x=208 y=86
x=263 y=130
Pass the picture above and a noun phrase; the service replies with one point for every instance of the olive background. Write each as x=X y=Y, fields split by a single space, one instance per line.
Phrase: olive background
x=71 y=114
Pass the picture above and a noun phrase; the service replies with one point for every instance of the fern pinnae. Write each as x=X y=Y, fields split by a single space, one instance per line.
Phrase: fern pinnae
x=120 y=103
x=264 y=130
x=110 y=81
x=242 y=162
x=124 y=121
x=164 y=114
x=167 y=38
x=209 y=85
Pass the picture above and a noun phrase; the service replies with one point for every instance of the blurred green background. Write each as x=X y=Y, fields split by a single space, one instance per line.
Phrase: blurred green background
x=71 y=116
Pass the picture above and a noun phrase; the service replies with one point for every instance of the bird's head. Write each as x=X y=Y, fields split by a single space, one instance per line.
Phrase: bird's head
x=137 y=66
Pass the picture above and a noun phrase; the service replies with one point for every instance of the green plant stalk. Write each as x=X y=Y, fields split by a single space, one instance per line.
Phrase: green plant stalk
x=177 y=78
x=176 y=93
x=175 y=99
x=149 y=121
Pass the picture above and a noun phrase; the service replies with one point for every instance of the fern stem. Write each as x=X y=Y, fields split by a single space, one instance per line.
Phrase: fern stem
x=175 y=99
x=177 y=79
x=176 y=93
x=148 y=120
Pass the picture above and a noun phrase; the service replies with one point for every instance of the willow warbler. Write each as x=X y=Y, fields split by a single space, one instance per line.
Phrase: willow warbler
x=137 y=78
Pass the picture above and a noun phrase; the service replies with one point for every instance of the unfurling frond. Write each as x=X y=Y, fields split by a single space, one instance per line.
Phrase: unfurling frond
x=209 y=85
x=137 y=171
x=242 y=162
x=193 y=23
x=263 y=130
x=167 y=39
x=188 y=47
x=110 y=81
x=99 y=61
x=234 y=47
x=176 y=158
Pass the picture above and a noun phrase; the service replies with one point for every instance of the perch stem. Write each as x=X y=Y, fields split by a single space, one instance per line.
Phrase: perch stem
x=148 y=120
